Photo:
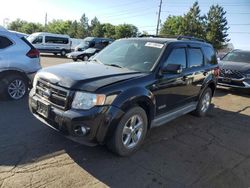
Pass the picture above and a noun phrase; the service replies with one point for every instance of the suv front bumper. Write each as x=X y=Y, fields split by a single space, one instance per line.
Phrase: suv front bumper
x=99 y=122
x=236 y=83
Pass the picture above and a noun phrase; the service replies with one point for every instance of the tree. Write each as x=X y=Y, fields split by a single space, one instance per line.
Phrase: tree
x=96 y=28
x=216 y=26
x=172 y=26
x=83 y=29
x=125 y=30
x=59 y=26
x=73 y=29
x=25 y=27
x=109 y=30
x=192 y=22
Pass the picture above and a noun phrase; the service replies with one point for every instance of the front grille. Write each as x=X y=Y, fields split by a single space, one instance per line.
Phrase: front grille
x=231 y=74
x=53 y=94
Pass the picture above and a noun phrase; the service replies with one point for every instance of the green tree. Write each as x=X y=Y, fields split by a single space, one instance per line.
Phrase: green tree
x=83 y=28
x=109 y=30
x=73 y=29
x=193 y=22
x=96 y=28
x=172 y=26
x=125 y=30
x=216 y=26
x=59 y=26
x=25 y=27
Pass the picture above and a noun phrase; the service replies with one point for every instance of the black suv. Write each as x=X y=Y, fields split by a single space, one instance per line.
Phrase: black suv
x=128 y=88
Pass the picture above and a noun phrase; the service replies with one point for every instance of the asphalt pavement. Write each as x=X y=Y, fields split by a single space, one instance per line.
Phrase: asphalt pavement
x=213 y=151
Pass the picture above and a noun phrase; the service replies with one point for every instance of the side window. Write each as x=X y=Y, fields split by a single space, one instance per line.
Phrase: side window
x=5 y=42
x=38 y=40
x=210 y=55
x=177 y=56
x=56 y=40
x=195 y=57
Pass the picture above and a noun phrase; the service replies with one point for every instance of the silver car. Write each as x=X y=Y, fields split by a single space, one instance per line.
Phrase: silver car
x=19 y=62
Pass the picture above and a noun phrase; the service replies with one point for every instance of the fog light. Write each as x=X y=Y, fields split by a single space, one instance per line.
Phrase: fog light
x=81 y=130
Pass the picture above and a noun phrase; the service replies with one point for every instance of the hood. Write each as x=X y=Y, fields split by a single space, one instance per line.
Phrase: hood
x=86 y=76
x=238 y=66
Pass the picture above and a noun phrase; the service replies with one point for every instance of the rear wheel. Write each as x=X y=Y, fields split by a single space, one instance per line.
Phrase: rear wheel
x=74 y=59
x=204 y=103
x=15 y=87
x=63 y=53
x=85 y=58
x=130 y=132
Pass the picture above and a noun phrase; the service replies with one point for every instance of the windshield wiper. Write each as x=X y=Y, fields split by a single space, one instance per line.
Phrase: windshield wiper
x=114 y=65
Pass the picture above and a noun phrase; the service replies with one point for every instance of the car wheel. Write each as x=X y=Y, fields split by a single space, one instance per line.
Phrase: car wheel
x=55 y=53
x=85 y=58
x=63 y=53
x=129 y=133
x=74 y=59
x=16 y=87
x=204 y=103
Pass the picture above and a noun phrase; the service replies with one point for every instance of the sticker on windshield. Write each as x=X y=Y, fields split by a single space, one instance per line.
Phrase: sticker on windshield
x=154 y=45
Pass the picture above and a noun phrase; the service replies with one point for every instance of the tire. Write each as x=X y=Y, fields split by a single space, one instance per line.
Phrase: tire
x=128 y=137
x=15 y=87
x=204 y=103
x=55 y=53
x=74 y=59
x=63 y=53
x=85 y=58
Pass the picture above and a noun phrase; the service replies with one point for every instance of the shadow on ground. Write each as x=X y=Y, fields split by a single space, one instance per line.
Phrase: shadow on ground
x=199 y=152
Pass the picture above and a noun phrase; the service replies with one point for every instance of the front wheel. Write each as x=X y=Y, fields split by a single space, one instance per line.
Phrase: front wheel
x=85 y=58
x=63 y=53
x=15 y=87
x=130 y=132
x=204 y=103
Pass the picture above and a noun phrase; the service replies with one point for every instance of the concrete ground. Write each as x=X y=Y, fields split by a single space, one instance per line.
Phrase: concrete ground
x=213 y=151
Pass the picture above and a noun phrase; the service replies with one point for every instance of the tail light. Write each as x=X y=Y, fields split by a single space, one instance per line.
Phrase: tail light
x=33 y=53
x=217 y=72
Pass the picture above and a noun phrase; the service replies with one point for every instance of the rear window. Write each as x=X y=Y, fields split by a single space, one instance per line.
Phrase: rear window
x=27 y=42
x=5 y=42
x=210 y=55
x=56 y=40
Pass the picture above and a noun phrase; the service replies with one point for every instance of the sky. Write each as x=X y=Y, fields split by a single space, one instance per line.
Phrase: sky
x=141 y=13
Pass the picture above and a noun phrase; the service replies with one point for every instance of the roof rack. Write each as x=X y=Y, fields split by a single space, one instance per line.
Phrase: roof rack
x=190 y=38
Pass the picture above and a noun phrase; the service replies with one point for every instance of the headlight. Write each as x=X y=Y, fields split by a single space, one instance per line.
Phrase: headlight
x=35 y=81
x=86 y=101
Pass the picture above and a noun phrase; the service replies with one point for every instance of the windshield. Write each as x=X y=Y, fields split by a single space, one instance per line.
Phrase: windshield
x=31 y=38
x=238 y=56
x=83 y=45
x=136 y=55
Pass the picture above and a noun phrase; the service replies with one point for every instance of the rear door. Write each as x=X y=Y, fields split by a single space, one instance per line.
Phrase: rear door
x=196 y=71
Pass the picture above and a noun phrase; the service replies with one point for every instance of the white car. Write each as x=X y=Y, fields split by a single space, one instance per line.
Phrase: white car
x=51 y=43
x=19 y=62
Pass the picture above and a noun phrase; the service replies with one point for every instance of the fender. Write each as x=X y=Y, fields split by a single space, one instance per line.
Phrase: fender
x=126 y=99
x=209 y=80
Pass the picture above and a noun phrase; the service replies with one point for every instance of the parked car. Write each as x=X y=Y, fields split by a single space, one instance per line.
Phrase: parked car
x=19 y=61
x=86 y=54
x=128 y=88
x=235 y=69
x=90 y=42
x=51 y=43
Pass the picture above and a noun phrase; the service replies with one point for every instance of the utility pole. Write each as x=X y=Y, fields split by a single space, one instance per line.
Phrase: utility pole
x=159 y=18
x=46 y=20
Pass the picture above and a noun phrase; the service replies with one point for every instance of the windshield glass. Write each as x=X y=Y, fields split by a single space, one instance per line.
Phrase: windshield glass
x=136 y=55
x=83 y=44
x=31 y=38
x=238 y=56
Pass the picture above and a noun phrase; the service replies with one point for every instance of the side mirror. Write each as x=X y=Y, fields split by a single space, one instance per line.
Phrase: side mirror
x=172 y=68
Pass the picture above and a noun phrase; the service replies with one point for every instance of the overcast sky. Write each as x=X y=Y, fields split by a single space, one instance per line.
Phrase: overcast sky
x=142 y=13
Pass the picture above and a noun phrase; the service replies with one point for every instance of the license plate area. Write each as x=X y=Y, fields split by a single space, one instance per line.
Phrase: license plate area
x=43 y=109
x=227 y=80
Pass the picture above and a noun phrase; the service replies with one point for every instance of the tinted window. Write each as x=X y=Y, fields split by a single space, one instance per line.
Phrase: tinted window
x=238 y=56
x=38 y=40
x=210 y=55
x=178 y=57
x=5 y=42
x=57 y=40
x=195 y=57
